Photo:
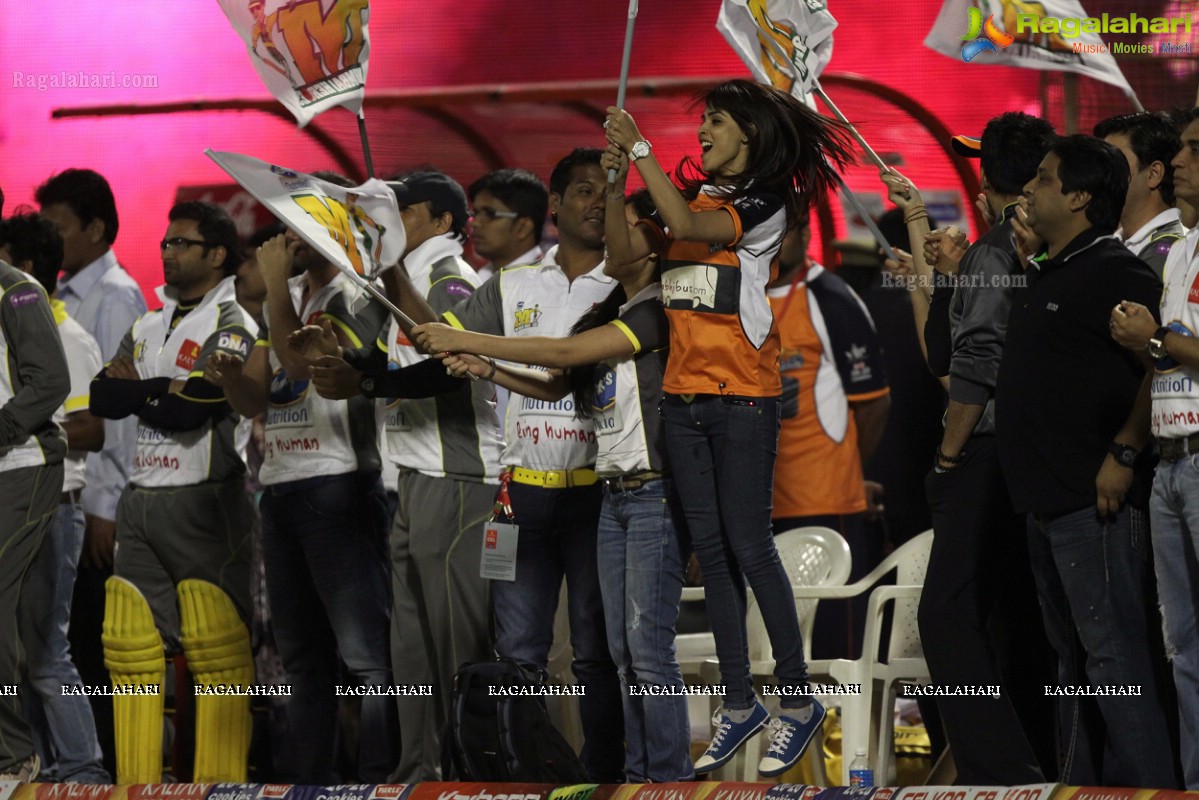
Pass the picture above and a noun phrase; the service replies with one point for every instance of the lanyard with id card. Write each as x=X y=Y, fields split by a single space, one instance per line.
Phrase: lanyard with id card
x=498 y=561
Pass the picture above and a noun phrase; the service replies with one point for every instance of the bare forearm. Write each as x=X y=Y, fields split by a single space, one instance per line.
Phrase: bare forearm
x=284 y=321
x=85 y=432
x=960 y=422
x=538 y=384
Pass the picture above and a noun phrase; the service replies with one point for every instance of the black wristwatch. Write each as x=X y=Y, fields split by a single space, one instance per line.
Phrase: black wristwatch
x=1157 y=343
x=1125 y=455
x=367 y=385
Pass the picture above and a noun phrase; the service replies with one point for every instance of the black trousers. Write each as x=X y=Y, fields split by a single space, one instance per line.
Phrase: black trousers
x=980 y=625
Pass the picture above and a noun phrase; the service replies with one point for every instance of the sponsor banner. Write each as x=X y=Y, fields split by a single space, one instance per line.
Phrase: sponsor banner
x=793 y=791
x=729 y=790
x=285 y=791
x=481 y=791
x=233 y=791
x=1105 y=793
x=390 y=791
x=581 y=791
x=68 y=791
x=698 y=790
x=860 y=793
x=168 y=791
x=1035 y=792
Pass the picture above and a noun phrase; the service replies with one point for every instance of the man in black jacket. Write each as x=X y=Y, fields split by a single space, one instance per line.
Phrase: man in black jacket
x=1068 y=443
x=978 y=609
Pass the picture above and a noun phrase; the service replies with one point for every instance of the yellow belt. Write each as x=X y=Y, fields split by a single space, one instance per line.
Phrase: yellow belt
x=555 y=478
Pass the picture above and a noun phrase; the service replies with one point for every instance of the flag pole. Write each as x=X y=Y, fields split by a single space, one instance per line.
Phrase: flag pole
x=366 y=147
x=867 y=219
x=378 y=295
x=623 y=88
x=873 y=156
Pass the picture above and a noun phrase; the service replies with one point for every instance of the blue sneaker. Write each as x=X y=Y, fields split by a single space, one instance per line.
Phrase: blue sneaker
x=788 y=741
x=729 y=737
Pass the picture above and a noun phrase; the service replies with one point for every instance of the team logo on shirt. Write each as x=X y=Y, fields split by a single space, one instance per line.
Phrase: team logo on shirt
x=526 y=317
x=285 y=392
x=139 y=349
x=189 y=351
x=233 y=342
x=605 y=390
x=859 y=370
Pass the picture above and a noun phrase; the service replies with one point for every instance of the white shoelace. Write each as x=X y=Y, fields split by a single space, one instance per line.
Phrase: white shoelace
x=780 y=737
x=722 y=724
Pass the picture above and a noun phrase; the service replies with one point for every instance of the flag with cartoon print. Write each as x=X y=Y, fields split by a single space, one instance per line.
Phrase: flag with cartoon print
x=785 y=43
x=311 y=54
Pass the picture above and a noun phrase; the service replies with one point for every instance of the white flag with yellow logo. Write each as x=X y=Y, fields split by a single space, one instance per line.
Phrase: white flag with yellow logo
x=311 y=54
x=785 y=43
x=1052 y=35
x=357 y=229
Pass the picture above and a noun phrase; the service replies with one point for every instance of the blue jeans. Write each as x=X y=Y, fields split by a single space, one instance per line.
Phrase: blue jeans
x=558 y=539
x=722 y=452
x=1095 y=588
x=641 y=576
x=324 y=549
x=64 y=730
x=1175 y=534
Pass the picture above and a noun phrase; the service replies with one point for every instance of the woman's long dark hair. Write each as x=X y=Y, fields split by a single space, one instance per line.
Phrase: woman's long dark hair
x=794 y=152
x=583 y=379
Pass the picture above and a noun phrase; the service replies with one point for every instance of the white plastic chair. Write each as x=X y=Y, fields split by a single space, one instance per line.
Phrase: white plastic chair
x=813 y=557
x=868 y=719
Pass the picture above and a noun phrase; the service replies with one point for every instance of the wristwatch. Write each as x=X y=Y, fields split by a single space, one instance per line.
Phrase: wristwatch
x=1125 y=455
x=640 y=150
x=1157 y=343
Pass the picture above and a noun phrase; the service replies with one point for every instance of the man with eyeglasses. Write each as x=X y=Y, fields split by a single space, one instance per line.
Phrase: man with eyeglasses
x=507 y=217
x=183 y=521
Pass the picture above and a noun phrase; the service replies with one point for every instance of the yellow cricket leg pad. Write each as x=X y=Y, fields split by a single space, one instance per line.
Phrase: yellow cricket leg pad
x=135 y=660
x=217 y=645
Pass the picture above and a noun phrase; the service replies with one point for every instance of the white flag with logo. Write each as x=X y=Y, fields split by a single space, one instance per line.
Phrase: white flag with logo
x=785 y=43
x=1010 y=32
x=358 y=229
x=311 y=55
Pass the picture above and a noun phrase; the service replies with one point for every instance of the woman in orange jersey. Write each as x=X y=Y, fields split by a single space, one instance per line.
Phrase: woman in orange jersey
x=764 y=157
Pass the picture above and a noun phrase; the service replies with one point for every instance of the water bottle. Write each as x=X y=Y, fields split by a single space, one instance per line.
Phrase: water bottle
x=860 y=773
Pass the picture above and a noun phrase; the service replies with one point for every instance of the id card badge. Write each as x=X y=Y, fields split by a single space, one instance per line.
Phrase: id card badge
x=498 y=562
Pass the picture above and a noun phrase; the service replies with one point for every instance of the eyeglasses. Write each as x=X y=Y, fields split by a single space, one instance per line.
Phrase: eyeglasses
x=180 y=243
x=491 y=215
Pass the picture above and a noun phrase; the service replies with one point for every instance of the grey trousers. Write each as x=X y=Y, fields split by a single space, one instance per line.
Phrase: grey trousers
x=441 y=608
x=28 y=499
x=168 y=535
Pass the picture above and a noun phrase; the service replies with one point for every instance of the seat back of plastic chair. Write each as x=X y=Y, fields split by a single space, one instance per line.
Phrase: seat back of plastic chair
x=812 y=556
x=911 y=566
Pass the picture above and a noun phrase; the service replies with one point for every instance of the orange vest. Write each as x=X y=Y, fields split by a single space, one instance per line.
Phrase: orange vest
x=722 y=334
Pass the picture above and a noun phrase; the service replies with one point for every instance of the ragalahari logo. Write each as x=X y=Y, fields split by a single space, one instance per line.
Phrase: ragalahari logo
x=983 y=36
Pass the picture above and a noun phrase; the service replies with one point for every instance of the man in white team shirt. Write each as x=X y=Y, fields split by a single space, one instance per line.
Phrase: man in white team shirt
x=324 y=512
x=183 y=522
x=64 y=730
x=446 y=449
x=1174 y=505
x=550 y=455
